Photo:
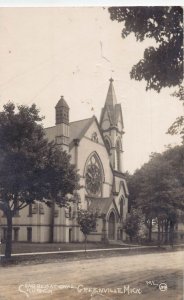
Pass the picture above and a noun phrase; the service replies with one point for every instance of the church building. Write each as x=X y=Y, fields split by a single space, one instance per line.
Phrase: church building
x=96 y=149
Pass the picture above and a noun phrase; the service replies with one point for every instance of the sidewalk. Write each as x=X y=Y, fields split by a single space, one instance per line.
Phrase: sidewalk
x=131 y=247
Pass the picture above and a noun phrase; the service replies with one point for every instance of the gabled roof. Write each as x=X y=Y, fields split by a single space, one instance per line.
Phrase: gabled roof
x=101 y=205
x=77 y=128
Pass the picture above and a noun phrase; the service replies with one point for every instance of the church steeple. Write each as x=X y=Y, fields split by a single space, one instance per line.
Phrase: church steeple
x=111 y=96
x=111 y=109
x=111 y=123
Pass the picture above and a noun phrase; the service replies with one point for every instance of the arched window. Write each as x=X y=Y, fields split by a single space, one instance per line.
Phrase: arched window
x=94 y=175
x=118 y=154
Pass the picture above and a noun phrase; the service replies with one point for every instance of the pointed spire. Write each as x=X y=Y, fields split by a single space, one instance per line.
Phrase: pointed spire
x=62 y=103
x=111 y=96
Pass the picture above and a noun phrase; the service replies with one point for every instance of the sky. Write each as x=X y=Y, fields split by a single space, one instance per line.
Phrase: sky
x=49 y=52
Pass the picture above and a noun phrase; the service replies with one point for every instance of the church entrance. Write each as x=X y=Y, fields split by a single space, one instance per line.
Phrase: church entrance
x=111 y=226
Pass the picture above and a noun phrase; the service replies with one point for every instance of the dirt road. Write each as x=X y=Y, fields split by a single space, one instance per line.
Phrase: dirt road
x=148 y=276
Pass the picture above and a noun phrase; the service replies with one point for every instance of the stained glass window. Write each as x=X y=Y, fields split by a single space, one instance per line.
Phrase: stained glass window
x=93 y=176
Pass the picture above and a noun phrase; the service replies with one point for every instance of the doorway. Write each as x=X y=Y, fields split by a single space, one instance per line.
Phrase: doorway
x=111 y=226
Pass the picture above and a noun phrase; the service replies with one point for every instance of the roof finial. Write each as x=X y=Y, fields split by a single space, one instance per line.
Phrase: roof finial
x=111 y=79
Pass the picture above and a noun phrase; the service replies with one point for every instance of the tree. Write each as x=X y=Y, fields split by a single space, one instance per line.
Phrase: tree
x=133 y=182
x=87 y=222
x=31 y=168
x=162 y=66
x=178 y=126
x=58 y=178
x=132 y=224
x=160 y=193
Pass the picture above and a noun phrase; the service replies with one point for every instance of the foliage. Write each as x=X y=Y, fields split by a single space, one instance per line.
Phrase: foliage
x=31 y=168
x=162 y=66
x=179 y=94
x=161 y=181
x=22 y=151
x=87 y=221
x=58 y=177
x=178 y=126
x=133 y=182
x=159 y=186
x=132 y=223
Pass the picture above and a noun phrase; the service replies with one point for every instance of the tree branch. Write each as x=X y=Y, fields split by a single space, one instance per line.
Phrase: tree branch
x=22 y=206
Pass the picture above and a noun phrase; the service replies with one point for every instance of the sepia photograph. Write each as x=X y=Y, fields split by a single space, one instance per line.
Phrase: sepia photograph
x=91 y=152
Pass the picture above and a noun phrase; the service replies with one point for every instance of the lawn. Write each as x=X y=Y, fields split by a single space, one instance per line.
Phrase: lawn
x=121 y=250
x=46 y=247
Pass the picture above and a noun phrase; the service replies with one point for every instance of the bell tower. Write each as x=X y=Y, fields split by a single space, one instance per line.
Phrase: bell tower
x=62 y=124
x=111 y=123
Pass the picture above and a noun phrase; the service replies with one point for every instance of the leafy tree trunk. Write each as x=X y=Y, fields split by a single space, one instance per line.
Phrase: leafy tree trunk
x=158 y=232
x=162 y=226
x=171 y=233
x=166 y=231
x=85 y=239
x=8 y=247
x=150 y=230
x=51 y=239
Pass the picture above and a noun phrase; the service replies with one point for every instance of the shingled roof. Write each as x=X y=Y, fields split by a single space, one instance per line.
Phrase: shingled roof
x=77 y=127
x=101 y=205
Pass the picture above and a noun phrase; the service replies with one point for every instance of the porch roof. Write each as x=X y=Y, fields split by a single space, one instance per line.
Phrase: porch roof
x=101 y=205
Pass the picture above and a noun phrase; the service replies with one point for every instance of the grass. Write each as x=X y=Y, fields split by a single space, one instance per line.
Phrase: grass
x=22 y=247
x=61 y=257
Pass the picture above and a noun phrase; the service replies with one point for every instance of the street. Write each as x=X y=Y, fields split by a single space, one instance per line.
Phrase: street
x=145 y=276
